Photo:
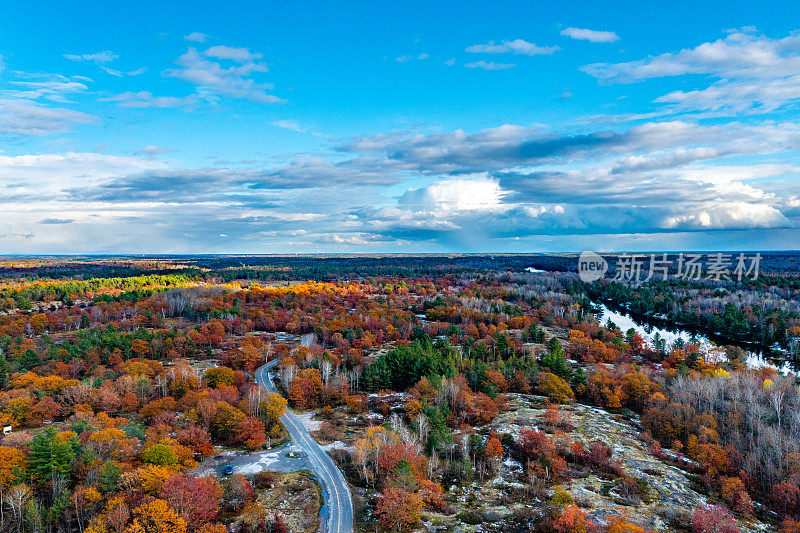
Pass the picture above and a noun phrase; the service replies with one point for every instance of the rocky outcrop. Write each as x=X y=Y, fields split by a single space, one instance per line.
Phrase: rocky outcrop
x=669 y=489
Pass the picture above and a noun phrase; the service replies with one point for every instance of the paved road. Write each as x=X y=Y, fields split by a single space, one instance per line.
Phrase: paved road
x=334 y=487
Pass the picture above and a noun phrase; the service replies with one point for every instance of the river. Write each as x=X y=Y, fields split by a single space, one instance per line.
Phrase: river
x=648 y=331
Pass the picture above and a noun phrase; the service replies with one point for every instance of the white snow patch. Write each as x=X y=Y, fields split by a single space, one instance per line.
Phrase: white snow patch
x=308 y=421
x=336 y=445
x=262 y=463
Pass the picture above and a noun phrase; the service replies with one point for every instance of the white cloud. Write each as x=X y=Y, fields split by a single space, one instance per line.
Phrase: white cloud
x=517 y=46
x=153 y=151
x=196 y=37
x=26 y=117
x=24 y=109
x=118 y=73
x=489 y=65
x=45 y=178
x=213 y=80
x=739 y=55
x=145 y=99
x=353 y=240
x=239 y=55
x=648 y=146
x=651 y=179
x=408 y=57
x=102 y=59
x=753 y=96
x=594 y=36
x=97 y=57
x=443 y=197
x=315 y=171
x=54 y=88
x=729 y=215
x=755 y=74
x=289 y=125
x=504 y=182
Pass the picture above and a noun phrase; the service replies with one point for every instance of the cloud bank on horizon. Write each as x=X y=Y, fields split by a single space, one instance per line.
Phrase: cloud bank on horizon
x=209 y=134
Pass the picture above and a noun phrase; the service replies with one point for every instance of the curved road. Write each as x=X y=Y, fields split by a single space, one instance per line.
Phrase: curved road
x=334 y=486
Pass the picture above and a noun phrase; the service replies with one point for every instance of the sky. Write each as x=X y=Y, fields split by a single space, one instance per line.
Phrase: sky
x=404 y=127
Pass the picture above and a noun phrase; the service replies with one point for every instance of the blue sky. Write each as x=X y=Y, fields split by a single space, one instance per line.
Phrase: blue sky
x=374 y=127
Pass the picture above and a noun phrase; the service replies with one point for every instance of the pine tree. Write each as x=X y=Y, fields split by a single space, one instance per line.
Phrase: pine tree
x=29 y=359
x=49 y=456
x=4 y=372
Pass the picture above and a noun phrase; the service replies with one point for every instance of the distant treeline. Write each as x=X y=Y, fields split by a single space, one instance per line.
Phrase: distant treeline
x=736 y=313
x=22 y=297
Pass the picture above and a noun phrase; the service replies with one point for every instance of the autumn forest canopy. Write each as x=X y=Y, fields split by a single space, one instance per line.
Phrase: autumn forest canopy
x=458 y=391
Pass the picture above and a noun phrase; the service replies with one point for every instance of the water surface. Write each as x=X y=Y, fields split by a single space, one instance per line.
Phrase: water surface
x=648 y=331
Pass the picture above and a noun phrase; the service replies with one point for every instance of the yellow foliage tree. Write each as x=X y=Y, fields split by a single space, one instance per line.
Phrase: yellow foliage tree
x=272 y=409
x=156 y=517
x=555 y=388
x=12 y=464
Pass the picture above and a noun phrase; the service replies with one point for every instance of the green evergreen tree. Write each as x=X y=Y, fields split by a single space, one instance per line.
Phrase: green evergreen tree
x=109 y=476
x=555 y=360
x=4 y=372
x=49 y=456
x=29 y=359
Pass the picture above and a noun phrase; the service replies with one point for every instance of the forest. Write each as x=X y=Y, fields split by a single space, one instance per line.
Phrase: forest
x=459 y=392
x=739 y=313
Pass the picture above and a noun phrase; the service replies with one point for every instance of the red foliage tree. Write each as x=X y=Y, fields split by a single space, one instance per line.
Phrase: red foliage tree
x=196 y=500
x=713 y=519
x=785 y=498
x=251 y=433
x=572 y=520
x=196 y=438
x=398 y=509
x=391 y=454
x=735 y=495
x=493 y=450
x=535 y=443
